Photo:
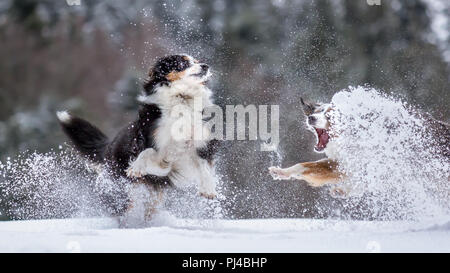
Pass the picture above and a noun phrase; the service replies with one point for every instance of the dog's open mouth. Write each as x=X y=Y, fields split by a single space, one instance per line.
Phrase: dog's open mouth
x=322 y=139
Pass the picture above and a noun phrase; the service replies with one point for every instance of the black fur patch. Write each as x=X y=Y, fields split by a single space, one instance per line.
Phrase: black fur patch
x=162 y=68
x=88 y=139
x=209 y=151
x=132 y=140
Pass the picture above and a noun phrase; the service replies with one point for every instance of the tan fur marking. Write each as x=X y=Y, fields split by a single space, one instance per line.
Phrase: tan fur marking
x=174 y=75
x=321 y=172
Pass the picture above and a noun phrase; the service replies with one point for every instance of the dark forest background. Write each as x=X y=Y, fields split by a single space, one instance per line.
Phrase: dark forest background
x=92 y=59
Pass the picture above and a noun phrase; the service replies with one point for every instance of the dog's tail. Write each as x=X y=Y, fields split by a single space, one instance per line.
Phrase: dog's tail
x=87 y=138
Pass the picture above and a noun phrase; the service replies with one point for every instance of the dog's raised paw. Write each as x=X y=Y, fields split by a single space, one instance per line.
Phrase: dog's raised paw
x=278 y=173
x=132 y=172
x=210 y=196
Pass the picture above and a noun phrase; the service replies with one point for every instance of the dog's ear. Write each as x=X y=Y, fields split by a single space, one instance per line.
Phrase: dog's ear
x=156 y=72
x=151 y=74
x=308 y=108
x=154 y=78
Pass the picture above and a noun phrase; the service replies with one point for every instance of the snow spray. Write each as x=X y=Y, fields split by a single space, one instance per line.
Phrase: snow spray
x=389 y=151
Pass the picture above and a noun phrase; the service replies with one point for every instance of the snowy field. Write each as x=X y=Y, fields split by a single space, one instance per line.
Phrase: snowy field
x=181 y=235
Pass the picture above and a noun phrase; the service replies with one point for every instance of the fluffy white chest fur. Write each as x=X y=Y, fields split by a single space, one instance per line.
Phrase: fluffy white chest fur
x=181 y=124
x=180 y=132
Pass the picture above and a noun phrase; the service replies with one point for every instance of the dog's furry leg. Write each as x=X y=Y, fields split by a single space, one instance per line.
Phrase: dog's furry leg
x=287 y=173
x=144 y=203
x=148 y=162
x=208 y=180
x=317 y=173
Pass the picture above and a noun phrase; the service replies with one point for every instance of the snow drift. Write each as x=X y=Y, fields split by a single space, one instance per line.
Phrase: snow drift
x=170 y=234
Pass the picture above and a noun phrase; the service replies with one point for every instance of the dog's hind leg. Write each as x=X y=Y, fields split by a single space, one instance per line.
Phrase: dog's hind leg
x=317 y=173
x=144 y=203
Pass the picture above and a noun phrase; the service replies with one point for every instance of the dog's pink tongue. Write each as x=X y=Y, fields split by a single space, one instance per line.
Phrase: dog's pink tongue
x=323 y=139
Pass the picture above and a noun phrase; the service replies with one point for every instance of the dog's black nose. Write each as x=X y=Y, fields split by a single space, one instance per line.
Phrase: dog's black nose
x=311 y=119
x=205 y=67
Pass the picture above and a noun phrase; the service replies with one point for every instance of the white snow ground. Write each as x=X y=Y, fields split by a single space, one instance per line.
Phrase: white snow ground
x=264 y=235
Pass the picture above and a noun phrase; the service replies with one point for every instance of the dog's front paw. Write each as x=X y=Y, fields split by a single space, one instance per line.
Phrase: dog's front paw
x=137 y=168
x=278 y=173
x=208 y=191
x=134 y=172
x=208 y=195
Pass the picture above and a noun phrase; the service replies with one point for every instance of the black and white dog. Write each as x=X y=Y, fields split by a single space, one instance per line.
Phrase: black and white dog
x=164 y=146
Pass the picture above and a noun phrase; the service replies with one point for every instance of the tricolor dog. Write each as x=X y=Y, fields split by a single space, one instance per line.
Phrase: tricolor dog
x=160 y=148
